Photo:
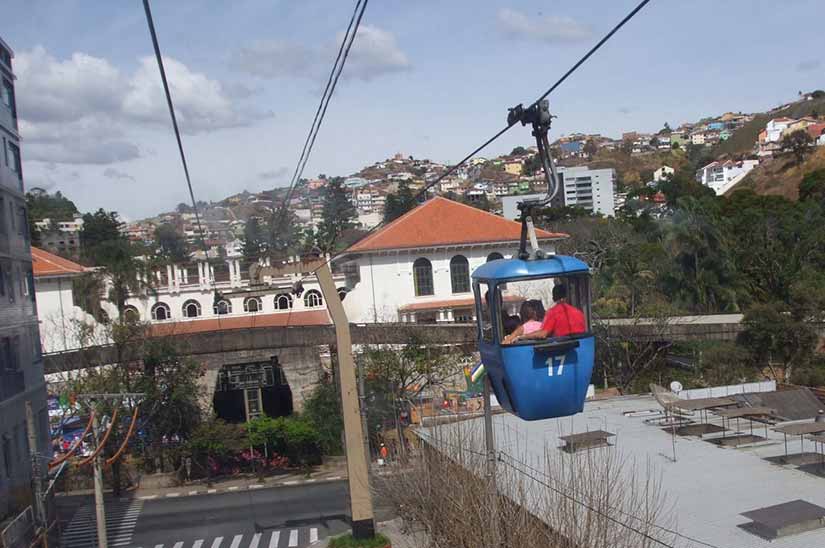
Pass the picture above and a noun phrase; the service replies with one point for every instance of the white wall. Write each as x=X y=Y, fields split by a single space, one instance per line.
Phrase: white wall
x=387 y=280
x=58 y=315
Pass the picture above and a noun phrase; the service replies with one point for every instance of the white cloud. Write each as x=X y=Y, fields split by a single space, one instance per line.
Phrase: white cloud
x=81 y=110
x=112 y=173
x=374 y=53
x=549 y=28
x=201 y=104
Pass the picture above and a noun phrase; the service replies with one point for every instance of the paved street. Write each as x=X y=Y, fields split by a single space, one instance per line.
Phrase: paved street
x=281 y=517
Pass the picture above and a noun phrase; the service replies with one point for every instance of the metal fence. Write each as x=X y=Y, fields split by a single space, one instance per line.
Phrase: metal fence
x=20 y=532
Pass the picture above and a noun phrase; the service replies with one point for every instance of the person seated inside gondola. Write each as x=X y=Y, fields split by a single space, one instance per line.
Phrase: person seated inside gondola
x=509 y=322
x=532 y=314
x=561 y=320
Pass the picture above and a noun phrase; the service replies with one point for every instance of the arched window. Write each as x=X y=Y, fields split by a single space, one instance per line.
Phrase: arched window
x=222 y=307
x=312 y=299
x=423 y=277
x=131 y=314
x=191 y=309
x=252 y=304
x=283 y=301
x=460 y=274
x=161 y=312
x=494 y=256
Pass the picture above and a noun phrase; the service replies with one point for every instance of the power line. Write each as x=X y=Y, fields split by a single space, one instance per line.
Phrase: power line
x=159 y=58
x=332 y=81
x=504 y=130
x=619 y=510
x=585 y=505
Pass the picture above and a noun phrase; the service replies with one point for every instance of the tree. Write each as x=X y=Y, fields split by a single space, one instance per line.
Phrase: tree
x=184 y=208
x=399 y=373
x=42 y=205
x=798 y=143
x=170 y=405
x=101 y=238
x=626 y=147
x=812 y=186
x=666 y=130
x=531 y=165
x=399 y=203
x=519 y=151
x=773 y=336
x=105 y=246
x=337 y=215
x=590 y=148
x=254 y=240
x=323 y=409
x=171 y=246
x=627 y=353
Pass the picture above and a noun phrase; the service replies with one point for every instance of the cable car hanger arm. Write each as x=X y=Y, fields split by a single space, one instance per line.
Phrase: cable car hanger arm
x=538 y=115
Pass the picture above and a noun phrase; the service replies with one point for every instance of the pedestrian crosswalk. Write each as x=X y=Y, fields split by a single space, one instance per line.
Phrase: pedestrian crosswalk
x=120 y=524
x=288 y=538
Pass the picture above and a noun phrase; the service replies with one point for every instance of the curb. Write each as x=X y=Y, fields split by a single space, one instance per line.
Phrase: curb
x=238 y=488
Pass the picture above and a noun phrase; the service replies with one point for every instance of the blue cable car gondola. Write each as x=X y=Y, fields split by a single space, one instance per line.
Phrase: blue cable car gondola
x=535 y=378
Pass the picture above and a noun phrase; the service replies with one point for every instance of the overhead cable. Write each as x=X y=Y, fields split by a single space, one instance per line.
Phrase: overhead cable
x=159 y=58
x=320 y=112
x=504 y=130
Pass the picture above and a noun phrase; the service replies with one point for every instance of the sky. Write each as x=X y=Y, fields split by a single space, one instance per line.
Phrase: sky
x=426 y=78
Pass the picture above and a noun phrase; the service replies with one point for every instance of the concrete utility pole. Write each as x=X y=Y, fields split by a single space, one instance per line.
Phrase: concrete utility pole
x=100 y=508
x=37 y=471
x=490 y=443
x=363 y=524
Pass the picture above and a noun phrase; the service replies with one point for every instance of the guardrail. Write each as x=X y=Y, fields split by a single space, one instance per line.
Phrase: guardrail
x=20 y=532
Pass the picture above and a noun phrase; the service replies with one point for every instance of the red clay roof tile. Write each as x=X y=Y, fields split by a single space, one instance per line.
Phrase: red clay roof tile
x=46 y=264
x=439 y=222
x=278 y=319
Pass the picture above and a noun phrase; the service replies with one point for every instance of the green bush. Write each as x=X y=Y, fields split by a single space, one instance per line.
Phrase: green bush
x=323 y=410
x=294 y=437
x=346 y=541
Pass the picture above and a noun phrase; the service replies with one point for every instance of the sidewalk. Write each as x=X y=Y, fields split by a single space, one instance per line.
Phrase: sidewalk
x=394 y=531
x=334 y=469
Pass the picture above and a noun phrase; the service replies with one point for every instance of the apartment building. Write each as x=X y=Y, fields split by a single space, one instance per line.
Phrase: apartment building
x=21 y=363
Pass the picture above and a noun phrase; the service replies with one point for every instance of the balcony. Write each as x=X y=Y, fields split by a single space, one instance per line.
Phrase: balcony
x=11 y=384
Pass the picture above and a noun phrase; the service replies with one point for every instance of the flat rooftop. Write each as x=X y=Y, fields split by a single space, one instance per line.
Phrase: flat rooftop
x=708 y=485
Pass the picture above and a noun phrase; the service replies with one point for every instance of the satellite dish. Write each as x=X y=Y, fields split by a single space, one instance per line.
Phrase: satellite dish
x=676 y=387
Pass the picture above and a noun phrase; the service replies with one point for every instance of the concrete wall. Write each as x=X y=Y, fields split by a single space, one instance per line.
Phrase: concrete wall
x=301 y=366
x=58 y=314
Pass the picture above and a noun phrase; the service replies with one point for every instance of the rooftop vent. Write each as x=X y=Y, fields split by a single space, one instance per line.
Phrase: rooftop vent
x=781 y=520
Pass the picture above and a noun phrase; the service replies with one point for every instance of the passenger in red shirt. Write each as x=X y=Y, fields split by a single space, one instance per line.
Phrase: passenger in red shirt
x=562 y=319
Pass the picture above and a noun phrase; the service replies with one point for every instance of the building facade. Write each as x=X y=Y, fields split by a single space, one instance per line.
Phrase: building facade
x=722 y=176
x=417 y=268
x=220 y=289
x=56 y=309
x=590 y=189
x=21 y=363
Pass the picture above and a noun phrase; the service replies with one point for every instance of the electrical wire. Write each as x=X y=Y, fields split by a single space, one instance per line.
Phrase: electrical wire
x=159 y=58
x=156 y=45
x=504 y=130
x=332 y=80
x=619 y=510
x=320 y=113
x=584 y=504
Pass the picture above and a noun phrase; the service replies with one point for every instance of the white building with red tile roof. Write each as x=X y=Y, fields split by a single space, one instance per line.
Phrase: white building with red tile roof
x=417 y=268
x=56 y=309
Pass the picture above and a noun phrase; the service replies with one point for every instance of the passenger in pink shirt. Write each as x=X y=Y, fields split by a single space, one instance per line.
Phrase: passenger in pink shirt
x=532 y=313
